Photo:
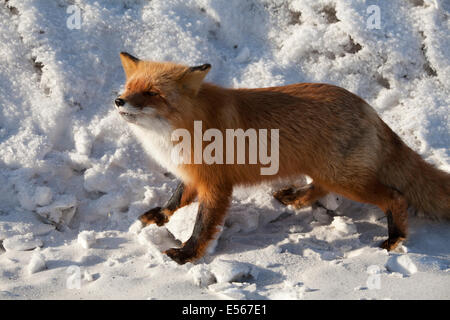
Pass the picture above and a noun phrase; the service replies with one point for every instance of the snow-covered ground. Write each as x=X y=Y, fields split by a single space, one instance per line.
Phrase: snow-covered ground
x=73 y=179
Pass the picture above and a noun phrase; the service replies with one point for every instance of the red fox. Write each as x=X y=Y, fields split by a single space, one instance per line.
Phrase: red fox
x=325 y=132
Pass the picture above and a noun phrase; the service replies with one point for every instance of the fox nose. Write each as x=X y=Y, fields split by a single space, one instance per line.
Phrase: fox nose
x=119 y=102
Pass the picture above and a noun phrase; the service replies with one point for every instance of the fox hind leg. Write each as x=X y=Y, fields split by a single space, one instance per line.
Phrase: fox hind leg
x=392 y=202
x=397 y=219
x=300 y=197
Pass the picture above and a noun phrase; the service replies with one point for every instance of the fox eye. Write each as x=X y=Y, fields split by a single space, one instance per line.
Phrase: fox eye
x=151 y=93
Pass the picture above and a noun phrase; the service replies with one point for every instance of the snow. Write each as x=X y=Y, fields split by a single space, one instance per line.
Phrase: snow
x=201 y=275
x=160 y=237
x=231 y=271
x=37 y=263
x=86 y=239
x=21 y=242
x=289 y=291
x=73 y=178
x=331 y=201
x=43 y=196
x=401 y=264
x=321 y=215
x=87 y=276
x=61 y=211
x=182 y=222
x=343 y=225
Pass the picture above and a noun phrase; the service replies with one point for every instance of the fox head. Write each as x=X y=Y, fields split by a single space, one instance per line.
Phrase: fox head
x=157 y=90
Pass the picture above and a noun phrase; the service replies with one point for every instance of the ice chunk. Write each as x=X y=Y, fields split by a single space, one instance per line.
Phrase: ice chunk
x=182 y=222
x=37 y=263
x=154 y=234
x=230 y=271
x=60 y=211
x=401 y=264
x=343 y=225
x=157 y=237
x=86 y=239
x=201 y=275
x=21 y=242
x=83 y=141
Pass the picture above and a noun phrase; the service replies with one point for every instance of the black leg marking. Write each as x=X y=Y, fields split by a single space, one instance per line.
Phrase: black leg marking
x=393 y=230
x=199 y=226
x=161 y=216
x=390 y=222
x=395 y=235
x=174 y=202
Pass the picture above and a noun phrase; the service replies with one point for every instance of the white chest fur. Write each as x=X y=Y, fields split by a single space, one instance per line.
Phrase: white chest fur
x=156 y=140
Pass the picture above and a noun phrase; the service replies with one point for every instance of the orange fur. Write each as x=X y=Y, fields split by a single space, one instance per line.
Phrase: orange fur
x=325 y=132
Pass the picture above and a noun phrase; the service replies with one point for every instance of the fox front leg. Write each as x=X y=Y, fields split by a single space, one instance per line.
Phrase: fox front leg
x=210 y=217
x=182 y=196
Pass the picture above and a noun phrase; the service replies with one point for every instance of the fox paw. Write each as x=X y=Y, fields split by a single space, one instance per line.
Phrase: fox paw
x=286 y=195
x=292 y=196
x=180 y=255
x=391 y=244
x=155 y=216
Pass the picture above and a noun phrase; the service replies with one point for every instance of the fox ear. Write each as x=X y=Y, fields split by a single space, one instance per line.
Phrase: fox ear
x=192 y=79
x=129 y=63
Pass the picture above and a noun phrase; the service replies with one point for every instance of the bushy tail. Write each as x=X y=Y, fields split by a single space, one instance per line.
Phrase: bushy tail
x=424 y=186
